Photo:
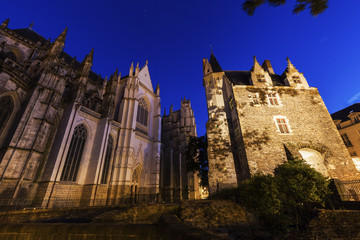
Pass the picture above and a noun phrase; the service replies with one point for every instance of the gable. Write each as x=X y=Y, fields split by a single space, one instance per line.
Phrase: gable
x=144 y=77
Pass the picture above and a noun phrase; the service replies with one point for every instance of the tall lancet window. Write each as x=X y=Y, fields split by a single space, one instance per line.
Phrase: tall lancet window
x=74 y=154
x=6 y=108
x=108 y=154
x=142 y=117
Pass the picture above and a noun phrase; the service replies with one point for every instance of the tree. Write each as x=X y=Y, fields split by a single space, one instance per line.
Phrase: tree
x=300 y=184
x=286 y=198
x=301 y=189
x=316 y=6
x=196 y=158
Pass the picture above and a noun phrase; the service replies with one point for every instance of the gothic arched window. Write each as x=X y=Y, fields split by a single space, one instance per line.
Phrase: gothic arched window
x=142 y=117
x=109 y=149
x=6 y=108
x=142 y=114
x=74 y=154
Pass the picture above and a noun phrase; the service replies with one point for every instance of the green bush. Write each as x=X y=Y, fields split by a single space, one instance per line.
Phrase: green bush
x=287 y=198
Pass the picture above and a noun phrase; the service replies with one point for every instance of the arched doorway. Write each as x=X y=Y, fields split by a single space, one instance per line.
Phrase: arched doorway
x=135 y=183
x=315 y=160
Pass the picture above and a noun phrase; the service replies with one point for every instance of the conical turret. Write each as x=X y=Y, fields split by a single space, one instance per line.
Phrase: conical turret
x=214 y=63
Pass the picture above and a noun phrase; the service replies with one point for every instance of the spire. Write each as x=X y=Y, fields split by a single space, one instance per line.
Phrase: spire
x=31 y=25
x=104 y=83
x=137 y=69
x=119 y=78
x=157 y=90
x=112 y=83
x=62 y=36
x=214 y=63
x=131 y=70
x=171 y=108
x=87 y=64
x=58 y=44
x=89 y=57
x=116 y=75
x=5 y=23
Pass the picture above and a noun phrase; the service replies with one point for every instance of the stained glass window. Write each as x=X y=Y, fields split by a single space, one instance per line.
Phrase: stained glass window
x=73 y=158
x=6 y=108
x=109 y=149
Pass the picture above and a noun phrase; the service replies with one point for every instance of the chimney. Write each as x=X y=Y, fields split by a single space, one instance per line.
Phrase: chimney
x=267 y=67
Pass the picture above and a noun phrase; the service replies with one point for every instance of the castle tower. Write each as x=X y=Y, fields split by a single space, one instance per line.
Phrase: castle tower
x=222 y=173
x=260 y=114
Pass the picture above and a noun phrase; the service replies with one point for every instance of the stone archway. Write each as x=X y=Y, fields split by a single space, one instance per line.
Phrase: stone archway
x=315 y=159
x=135 y=183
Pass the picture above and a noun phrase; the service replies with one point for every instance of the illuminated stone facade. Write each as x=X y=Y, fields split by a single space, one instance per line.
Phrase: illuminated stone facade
x=347 y=121
x=256 y=116
x=69 y=137
x=176 y=182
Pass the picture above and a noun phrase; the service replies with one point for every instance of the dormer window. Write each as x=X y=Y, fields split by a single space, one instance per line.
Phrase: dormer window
x=346 y=140
x=296 y=79
x=356 y=119
x=260 y=77
x=255 y=99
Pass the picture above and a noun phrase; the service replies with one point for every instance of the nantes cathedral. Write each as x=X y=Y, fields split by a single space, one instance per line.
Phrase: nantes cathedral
x=68 y=137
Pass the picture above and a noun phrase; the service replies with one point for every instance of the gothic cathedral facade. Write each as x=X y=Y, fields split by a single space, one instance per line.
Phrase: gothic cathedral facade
x=68 y=137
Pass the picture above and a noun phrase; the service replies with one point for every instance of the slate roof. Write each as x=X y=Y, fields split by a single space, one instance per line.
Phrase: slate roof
x=30 y=35
x=343 y=113
x=214 y=63
x=35 y=37
x=242 y=77
x=239 y=77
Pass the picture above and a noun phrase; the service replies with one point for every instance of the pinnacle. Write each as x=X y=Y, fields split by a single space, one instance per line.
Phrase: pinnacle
x=6 y=22
x=62 y=36
x=89 y=57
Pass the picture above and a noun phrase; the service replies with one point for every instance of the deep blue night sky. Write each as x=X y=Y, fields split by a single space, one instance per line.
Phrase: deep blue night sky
x=175 y=35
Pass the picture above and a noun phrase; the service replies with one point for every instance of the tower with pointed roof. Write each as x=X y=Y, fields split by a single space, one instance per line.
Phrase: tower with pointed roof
x=68 y=137
x=256 y=116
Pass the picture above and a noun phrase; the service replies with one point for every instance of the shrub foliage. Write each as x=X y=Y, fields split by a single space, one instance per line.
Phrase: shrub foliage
x=286 y=198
